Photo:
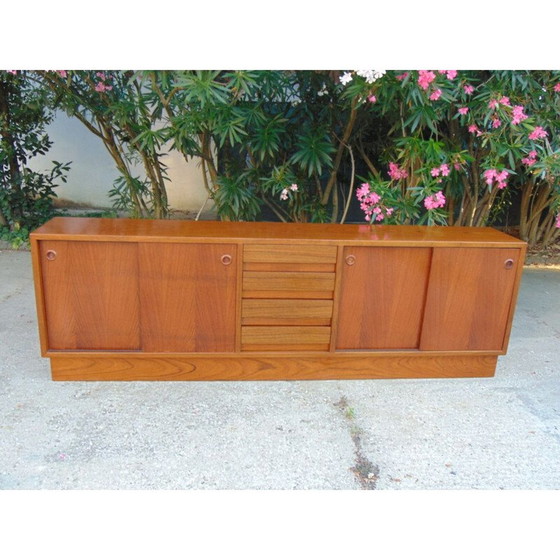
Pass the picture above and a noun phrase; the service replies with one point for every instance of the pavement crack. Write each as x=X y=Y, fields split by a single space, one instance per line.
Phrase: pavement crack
x=366 y=472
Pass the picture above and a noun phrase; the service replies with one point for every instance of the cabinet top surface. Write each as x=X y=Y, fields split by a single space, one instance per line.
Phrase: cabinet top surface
x=124 y=229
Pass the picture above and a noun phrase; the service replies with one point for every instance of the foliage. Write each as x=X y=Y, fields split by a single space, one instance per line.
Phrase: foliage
x=463 y=139
x=26 y=196
x=112 y=106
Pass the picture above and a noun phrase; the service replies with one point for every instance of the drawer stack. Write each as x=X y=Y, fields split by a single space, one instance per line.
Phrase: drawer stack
x=287 y=297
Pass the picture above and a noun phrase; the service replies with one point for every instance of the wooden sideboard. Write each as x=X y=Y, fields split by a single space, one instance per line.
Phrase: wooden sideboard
x=123 y=299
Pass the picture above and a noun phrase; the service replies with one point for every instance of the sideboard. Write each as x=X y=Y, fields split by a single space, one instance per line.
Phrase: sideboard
x=124 y=299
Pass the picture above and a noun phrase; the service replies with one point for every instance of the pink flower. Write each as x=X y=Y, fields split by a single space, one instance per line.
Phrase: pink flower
x=363 y=191
x=493 y=104
x=444 y=168
x=557 y=224
x=473 y=128
x=101 y=75
x=435 y=172
x=435 y=201
x=100 y=86
x=14 y=72
x=463 y=110
x=490 y=175
x=518 y=114
x=500 y=177
x=505 y=101
x=372 y=99
x=557 y=87
x=468 y=89
x=284 y=194
x=435 y=95
x=389 y=211
x=62 y=73
x=496 y=123
x=539 y=132
x=531 y=159
x=457 y=166
x=451 y=74
x=425 y=78
x=396 y=173
x=402 y=76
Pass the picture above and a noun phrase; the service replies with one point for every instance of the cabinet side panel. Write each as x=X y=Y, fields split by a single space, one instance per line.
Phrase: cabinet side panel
x=469 y=298
x=188 y=297
x=382 y=297
x=90 y=295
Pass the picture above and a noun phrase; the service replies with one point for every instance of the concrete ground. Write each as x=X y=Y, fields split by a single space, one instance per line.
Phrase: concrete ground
x=496 y=433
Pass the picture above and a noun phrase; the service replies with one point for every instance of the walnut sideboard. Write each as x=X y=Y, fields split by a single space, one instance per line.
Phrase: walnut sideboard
x=123 y=299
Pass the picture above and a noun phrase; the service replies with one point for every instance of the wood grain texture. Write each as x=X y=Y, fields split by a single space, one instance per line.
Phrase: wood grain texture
x=469 y=299
x=288 y=267
x=286 y=312
x=303 y=254
x=269 y=233
x=382 y=297
x=187 y=297
x=90 y=295
x=305 y=338
x=253 y=368
x=304 y=285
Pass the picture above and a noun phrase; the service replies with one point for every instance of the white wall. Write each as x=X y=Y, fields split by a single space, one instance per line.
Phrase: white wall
x=93 y=171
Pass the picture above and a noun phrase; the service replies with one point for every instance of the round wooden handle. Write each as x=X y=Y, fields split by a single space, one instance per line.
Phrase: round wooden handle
x=350 y=260
x=51 y=255
x=226 y=259
x=508 y=264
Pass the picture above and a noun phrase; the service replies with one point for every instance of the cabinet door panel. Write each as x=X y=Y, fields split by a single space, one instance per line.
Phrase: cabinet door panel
x=187 y=297
x=382 y=297
x=90 y=294
x=469 y=298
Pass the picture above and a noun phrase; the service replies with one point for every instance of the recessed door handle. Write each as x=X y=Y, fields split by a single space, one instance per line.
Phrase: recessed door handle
x=226 y=259
x=508 y=264
x=51 y=255
x=350 y=260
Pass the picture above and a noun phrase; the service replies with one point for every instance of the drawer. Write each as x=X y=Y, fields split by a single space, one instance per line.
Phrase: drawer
x=288 y=285
x=287 y=312
x=256 y=338
x=291 y=254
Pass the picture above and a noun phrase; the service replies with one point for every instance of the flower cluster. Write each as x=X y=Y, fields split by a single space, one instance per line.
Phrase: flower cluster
x=442 y=170
x=463 y=110
x=531 y=159
x=396 y=173
x=370 y=76
x=435 y=95
x=468 y=89
x=557 y=89
x=435 y=201
x=518 y=114
x=491 y=175
x=425 y=78
x=285 y=192
x=450 y=74
x=101 y=85
x=539 y=132
x=371 y=204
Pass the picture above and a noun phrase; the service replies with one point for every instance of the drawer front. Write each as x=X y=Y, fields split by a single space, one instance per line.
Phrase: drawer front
x=286 y=312
x=281 y=339
x=302 y=254
x=285 y=285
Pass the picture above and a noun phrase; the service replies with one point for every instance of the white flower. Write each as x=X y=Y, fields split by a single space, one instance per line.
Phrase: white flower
x=370 y=75
x=293 y=187
x=284 y=195
x=345 y=78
